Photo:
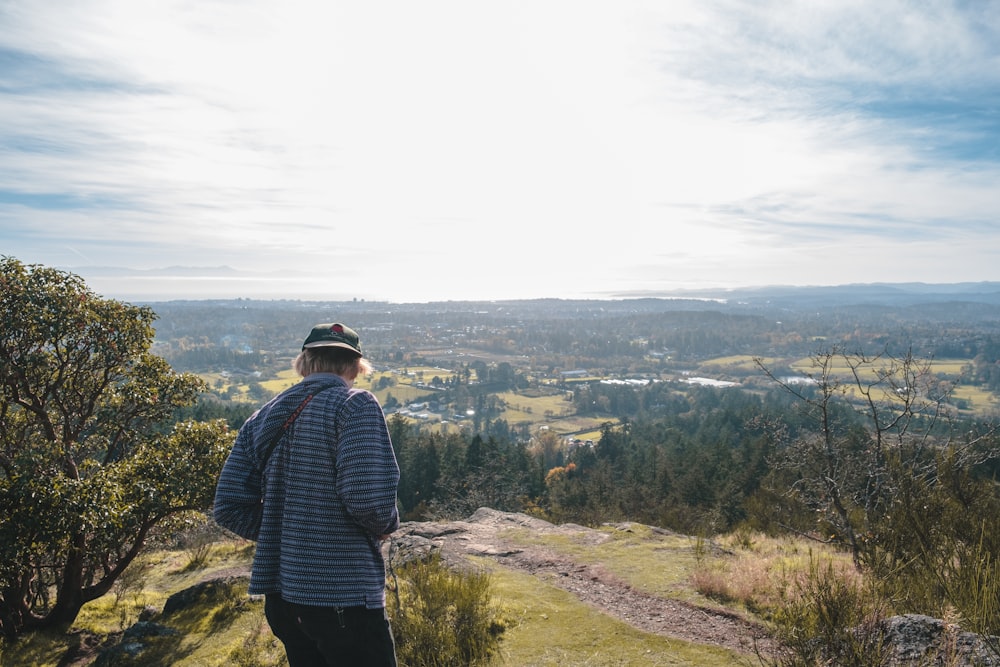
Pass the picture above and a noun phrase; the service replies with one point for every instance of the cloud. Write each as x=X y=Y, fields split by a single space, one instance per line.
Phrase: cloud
x=494 y=148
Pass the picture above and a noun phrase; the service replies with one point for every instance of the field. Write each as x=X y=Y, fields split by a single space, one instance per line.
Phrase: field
x=973 y=399
x=743 y=363
x=533 y=409
x=945 y=368
x=237 y=388
x=553 y=410
x=969 y=398
x=285 y=379
x=405 y=390
x=977 y=400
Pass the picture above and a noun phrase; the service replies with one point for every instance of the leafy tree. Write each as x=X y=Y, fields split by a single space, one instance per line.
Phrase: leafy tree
x=85 y=474
x=548 y=446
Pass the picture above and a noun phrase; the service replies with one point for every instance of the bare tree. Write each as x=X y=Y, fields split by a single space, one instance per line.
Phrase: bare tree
x=873 y=418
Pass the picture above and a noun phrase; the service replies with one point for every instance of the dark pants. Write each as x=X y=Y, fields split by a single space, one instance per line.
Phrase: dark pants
x=331 y=637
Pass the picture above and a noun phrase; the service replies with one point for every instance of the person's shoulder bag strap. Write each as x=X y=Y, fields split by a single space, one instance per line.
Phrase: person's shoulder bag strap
x=284 y=428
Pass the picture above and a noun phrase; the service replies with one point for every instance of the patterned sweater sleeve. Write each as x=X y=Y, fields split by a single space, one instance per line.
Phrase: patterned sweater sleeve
x=238 y=493
x=367 y=472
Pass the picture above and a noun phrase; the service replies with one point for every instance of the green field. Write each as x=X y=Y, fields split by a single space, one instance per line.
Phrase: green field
x=737 y=362
x=521 y=408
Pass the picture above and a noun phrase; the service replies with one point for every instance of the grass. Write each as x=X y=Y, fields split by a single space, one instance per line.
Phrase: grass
x=404 y=393
x=761 y=573
x=545 y=625
x=41 y=649
x=655 y=563
x=534 y=408
x=206 y=636
x=552 y=411
x=548 y=626
x=283 y=381
x=978 y=400
x=425 y=373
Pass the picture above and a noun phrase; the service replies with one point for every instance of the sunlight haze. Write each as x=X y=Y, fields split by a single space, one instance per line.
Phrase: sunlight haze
x=452 y=150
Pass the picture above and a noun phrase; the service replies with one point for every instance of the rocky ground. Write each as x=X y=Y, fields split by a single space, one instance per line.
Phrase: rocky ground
x=912 y=640
x=909 y=640
x=482 y=535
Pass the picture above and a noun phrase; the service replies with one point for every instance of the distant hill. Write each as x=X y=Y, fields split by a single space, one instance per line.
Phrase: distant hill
x=891 y=294
x=224 y=282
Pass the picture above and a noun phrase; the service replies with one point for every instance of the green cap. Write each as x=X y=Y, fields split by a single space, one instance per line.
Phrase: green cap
x=333 y=335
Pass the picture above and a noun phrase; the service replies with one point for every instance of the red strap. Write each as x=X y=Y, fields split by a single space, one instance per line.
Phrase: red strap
x=292 y=417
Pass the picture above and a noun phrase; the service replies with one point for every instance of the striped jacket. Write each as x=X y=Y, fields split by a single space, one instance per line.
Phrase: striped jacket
x=318 y=504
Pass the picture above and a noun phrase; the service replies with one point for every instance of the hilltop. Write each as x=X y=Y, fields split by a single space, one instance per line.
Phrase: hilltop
x=526 y=544
x=623 y=593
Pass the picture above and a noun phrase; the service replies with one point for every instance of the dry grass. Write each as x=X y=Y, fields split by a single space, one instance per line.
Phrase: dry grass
x=763 y=573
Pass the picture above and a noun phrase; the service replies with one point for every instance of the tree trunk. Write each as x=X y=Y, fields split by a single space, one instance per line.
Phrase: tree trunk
x=15 y=615
x=69 y=596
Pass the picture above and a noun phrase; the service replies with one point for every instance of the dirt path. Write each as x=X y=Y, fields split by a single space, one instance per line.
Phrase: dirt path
x=480 y=535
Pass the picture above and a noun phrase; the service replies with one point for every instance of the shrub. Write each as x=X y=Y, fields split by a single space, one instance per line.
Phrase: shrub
x=443 y=617
x=934 y=551
x=198 y=543
x=830 y=619
x=133 y=580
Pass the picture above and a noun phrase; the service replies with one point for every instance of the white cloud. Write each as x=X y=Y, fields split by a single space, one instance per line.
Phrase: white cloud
x=518 y=149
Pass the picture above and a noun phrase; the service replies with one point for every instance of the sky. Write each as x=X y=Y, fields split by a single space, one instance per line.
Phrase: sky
x=423 y=151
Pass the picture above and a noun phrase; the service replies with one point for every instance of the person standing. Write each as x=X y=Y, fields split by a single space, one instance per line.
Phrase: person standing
x=312 y=477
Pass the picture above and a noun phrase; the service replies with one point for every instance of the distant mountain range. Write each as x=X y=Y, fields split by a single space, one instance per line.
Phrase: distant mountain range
x=894 y=294
x=793 y=297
